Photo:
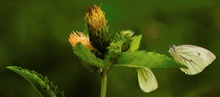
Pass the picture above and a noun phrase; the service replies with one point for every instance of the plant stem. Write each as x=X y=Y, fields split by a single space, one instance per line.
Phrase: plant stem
x=104 y=79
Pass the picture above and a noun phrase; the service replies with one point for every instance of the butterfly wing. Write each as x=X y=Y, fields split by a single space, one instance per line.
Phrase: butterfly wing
x=194 y=57
x=147 y=80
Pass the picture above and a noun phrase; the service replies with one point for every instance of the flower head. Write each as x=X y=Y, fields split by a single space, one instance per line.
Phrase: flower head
x=95 y=18
x=127 y=33
x=76 y=37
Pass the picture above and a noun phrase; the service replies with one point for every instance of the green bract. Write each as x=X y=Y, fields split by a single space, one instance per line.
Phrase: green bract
x=135 y=43
x=87 y=56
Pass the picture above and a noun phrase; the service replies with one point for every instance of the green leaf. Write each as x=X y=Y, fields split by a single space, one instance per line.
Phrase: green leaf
x=91 y=67
x=87 y=56
x=135 y=43
x=42 y=84
x=145 y=59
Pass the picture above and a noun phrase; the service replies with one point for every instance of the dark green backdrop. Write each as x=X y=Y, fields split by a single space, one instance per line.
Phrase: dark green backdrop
x=34 y=35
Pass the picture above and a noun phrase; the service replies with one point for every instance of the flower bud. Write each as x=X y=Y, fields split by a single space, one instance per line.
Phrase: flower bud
x=95 y=18
x=98 y=31
x=76 y=37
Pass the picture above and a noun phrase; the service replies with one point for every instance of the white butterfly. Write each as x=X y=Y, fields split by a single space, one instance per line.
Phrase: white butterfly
x=194 y=57
x=147 y=80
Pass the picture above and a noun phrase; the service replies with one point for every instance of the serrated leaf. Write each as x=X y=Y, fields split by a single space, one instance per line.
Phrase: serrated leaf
x=143 y=59
x=135 y=43
x=41 y=84
x=86 y=55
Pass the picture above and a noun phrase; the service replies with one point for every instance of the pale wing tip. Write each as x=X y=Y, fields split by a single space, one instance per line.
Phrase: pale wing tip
x=147 y=80
x=206 y=59
x=149 y=86
x=149 y=89
x=213 y=57
x=190 y=72
x=193 y=70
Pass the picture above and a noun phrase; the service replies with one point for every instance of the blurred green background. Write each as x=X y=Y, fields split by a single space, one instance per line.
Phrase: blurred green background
x=34 y=35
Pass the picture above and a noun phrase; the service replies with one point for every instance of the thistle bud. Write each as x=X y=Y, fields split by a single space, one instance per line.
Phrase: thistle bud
x=95 y=18
x=76 y=37
x=98 y=31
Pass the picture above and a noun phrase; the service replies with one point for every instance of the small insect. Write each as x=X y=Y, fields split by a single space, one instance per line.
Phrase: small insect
x=147 y=80
x=194 y=57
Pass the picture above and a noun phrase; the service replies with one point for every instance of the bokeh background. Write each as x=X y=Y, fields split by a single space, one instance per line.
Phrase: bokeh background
x=34 y=35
